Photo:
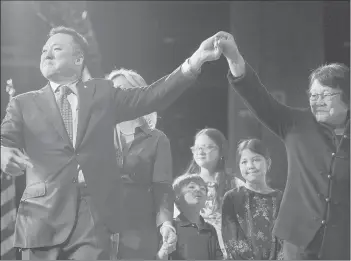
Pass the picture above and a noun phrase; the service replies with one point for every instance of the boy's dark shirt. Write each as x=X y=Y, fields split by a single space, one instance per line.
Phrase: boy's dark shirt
x=195 y=241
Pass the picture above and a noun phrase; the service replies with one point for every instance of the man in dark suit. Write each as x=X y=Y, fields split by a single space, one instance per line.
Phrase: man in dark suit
x=314 y=216
x=62 y=135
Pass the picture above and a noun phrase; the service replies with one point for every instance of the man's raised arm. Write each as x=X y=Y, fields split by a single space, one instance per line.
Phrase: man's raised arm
x=135 y=102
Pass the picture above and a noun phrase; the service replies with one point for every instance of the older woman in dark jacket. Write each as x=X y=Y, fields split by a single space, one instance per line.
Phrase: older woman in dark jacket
x=143 y=153
x=314 y=216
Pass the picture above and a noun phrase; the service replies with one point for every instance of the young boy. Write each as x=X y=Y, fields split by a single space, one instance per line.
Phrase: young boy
x=196 y=239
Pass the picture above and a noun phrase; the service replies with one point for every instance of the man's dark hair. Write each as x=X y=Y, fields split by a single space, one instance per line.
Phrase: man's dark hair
x=79 y=39
x=334 y=75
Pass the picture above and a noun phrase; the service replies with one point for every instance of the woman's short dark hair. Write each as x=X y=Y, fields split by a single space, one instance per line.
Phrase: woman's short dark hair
x=79 y=39
x=334 y=75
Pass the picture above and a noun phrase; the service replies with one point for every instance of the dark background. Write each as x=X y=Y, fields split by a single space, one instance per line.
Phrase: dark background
x=156 y=37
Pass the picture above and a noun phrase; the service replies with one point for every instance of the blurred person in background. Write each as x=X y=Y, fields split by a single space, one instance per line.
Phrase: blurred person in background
x=144 y=158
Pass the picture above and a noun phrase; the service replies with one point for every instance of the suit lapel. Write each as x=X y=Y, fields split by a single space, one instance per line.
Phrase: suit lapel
x=85 y=100
x=47 y=103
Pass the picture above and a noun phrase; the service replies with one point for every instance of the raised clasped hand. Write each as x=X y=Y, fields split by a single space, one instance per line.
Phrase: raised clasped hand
x=226 y=44
x=209 y=50
x=212 y=48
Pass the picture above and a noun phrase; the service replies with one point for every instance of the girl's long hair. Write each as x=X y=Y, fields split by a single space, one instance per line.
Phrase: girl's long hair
x=223 y=179
x=220 y=140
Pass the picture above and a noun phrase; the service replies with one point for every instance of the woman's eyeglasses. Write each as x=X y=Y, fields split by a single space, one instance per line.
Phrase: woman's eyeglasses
x=324 y=96
x=205 y=149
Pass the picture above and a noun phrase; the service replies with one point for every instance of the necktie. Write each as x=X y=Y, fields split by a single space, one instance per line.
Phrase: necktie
x=65 y=109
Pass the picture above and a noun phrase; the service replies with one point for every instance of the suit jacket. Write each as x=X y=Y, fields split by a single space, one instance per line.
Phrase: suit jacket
x=317 y=192
x=33 y=123
x=147 y=192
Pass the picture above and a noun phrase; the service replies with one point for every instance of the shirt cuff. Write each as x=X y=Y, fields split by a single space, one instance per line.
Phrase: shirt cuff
x=239 y=67
x=188 y=71
x=234 y=79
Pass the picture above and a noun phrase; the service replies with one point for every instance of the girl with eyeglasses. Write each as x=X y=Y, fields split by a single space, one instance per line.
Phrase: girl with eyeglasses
x=210 y=151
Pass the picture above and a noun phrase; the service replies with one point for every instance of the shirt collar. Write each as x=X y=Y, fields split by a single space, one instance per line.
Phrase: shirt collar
x=184 y=222
x=72 y=86
x=145 y=128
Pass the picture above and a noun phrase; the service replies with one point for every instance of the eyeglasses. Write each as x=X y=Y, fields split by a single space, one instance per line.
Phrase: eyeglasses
x=206 y=149
x=324 y=96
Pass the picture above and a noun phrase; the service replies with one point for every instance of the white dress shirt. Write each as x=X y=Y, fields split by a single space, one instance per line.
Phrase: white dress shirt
x=73 y=101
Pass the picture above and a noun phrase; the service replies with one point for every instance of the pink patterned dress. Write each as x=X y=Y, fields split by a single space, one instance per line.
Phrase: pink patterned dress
x=212 y=213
